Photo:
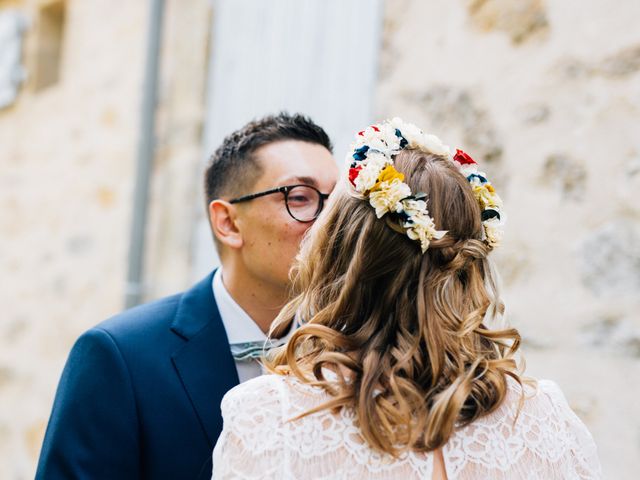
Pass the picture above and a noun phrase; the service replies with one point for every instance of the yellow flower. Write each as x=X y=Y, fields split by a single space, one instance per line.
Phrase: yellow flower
x=486 y=196
x=388 y=175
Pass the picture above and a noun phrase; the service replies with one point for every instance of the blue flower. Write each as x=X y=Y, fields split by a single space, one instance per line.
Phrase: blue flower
x=361 y=153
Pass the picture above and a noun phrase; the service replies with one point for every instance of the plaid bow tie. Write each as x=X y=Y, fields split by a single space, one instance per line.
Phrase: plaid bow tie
x=248 y=351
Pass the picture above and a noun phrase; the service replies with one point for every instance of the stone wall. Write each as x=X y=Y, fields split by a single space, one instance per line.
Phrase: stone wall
x=67 y=166
x=66 y=171
x=547 y=96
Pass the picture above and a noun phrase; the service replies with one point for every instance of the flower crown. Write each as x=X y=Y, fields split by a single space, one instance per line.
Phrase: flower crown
x=373 y=175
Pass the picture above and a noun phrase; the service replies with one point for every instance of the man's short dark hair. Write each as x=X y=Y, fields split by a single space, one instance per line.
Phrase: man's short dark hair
x=233 y=169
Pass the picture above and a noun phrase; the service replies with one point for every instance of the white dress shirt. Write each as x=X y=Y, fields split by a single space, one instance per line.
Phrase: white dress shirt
x=239 y=326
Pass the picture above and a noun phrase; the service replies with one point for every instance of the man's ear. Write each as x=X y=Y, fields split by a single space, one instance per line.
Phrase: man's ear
x=222 y=216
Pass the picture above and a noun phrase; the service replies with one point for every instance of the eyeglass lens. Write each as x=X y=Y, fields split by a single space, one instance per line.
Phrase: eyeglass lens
x=304 y=203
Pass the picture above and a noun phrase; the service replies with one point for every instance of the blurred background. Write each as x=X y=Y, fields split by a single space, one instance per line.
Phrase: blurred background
x=109 y=110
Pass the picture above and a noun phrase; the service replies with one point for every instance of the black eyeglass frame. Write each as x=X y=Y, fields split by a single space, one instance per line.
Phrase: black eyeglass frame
x=285 y=190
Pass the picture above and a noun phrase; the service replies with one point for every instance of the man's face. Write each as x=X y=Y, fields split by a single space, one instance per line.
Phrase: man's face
x=271 y=237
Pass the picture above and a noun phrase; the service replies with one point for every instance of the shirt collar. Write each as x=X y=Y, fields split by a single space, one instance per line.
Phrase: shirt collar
x=239 y=325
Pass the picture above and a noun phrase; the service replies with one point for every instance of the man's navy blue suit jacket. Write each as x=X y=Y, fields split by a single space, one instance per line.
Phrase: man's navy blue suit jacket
x=140 y=394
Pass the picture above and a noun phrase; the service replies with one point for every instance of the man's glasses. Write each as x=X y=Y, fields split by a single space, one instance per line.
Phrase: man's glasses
x=304 y=202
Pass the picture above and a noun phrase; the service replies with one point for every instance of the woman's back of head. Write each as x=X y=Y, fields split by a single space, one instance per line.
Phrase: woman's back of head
x=403 y=310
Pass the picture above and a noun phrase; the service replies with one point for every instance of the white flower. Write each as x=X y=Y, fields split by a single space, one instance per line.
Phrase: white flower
x=388 y=133
x=388 y=196
x=434 y=145
x=413 y=207
x=412 y=134
x=379 y=159
x=493 y=231
x=368 y=134
x=386 y=147
x=384 y=140
x=421 y=227
x=371 y=168
x=368 y=176
x=468 y=169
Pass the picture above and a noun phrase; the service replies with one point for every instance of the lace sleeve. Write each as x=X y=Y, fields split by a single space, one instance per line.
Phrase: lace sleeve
x=545 y=440
x=250 y=446
x=583 y=452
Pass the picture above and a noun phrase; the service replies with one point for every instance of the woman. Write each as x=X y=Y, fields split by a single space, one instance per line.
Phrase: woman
x=401 y=368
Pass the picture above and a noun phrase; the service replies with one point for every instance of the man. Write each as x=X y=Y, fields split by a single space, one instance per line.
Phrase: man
x=140 y=393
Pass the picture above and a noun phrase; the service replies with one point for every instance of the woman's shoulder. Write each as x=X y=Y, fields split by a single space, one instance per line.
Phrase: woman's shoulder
x=535 y=428
x=250 y=387
x=271 y=383
x=536 y=398
x=532 y=393
x=274 y=392
x=258 y=395
x=548 y=391
x=551 y=406
x=533 y=403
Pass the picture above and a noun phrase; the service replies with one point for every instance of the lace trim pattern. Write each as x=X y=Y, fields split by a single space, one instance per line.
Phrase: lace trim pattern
x=545 y=440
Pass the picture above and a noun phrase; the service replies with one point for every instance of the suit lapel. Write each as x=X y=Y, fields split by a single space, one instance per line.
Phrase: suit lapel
x=204 y=363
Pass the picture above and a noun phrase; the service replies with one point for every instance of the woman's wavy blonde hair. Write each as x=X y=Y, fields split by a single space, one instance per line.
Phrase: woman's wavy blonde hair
x=407 y=333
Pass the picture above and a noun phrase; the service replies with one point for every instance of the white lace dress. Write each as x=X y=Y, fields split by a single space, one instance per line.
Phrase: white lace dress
x=548 y=441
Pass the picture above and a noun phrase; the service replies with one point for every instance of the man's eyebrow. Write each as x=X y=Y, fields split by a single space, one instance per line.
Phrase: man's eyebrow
x=299 y=180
